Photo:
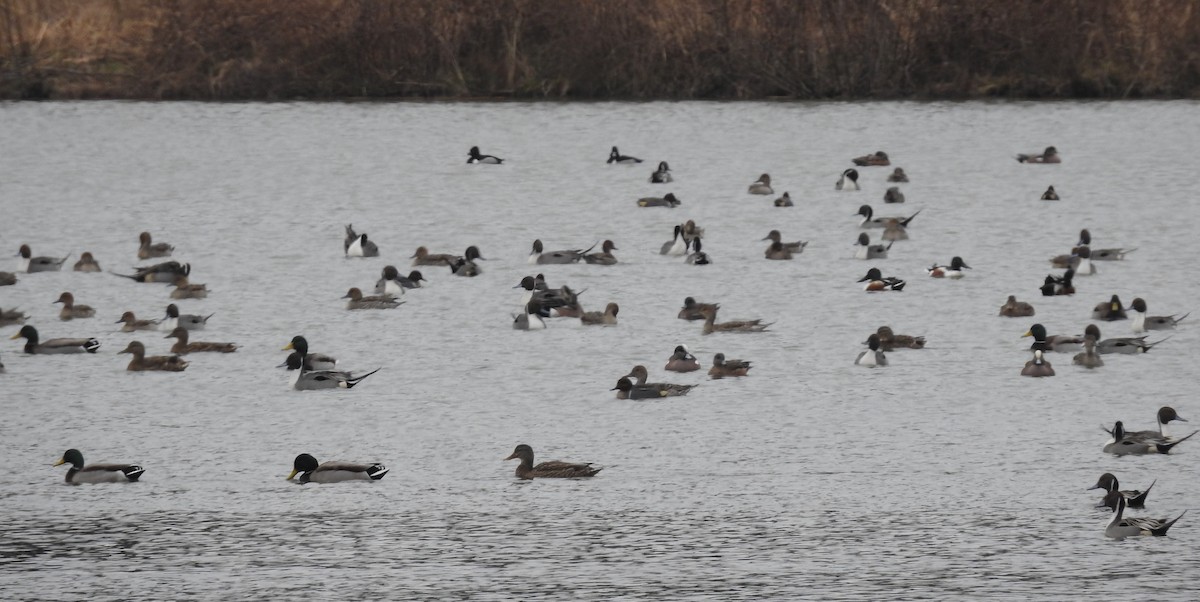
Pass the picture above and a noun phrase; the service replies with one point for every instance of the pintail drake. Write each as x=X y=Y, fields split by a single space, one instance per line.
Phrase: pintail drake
x=1122 y=526
x=1142 y=322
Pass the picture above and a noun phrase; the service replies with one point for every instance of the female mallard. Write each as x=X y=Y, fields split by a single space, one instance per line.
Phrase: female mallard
x=358 y=301
x=70 y=311
x=97 y=473
x=682 y=361
x=722 y=367
x=183 y=347
x=711 y=325
x=87 y=263
x=187 y=290
x=1136 y=499
x=1016 y=309
x=161 y=363
x=553 y=469
x=334 y=472
x=54 y=346
x=131 y=323
x=608 y=317
x=311 y=361
x=148 y=249
x=640 y=373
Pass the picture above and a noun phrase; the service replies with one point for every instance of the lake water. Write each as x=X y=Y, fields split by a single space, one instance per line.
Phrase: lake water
x=945 y=475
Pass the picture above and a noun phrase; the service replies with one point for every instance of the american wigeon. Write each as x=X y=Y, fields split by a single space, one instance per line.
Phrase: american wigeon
x=722 y=367
x=1038 y=366
x=692 y=310
x=682 y=361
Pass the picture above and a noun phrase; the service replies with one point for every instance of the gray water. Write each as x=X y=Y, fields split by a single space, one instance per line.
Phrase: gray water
x=944 y=475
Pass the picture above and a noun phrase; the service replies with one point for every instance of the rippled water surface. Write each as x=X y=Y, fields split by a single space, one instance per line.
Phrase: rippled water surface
x=944 y=475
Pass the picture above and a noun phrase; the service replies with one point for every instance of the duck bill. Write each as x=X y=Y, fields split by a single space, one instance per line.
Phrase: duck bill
x=287 y=347
x=1096 y=486
x=15 y=337
x=292 y=474
x=59 y=462
x=1028 y=333
x=511 y=456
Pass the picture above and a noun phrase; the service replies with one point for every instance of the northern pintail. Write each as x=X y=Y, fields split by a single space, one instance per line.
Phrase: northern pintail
x=143 y=363
x=872 y=357
x=530 y=318
x=1089 y=357
x=546 y=298
x=697 y=256
x=777 y=251
x=307 y=379
x=131 y=323
x=784 y=201
x=890 y=341
x=876 y=282
x=794 y=247
x=1164 y=416
x=53 y=346
x=166 y=271
x=1050 y=195
x=423 y=257
x=1142 y=322
x=1060 y=343
x=604 y=257
x=474 y=157
x=1134 y=498
x=358 y=301
x=553 y=469
x=666 y=201
x=677 y=245
x=711 y=325
x=893 y=195
x=357 y=245
x=626 y=389
x=30 y=264
x=334 y=472
x=865 y=250
x=616 y=157
x=1016 y=309
x=183 y=347
x=148 y=249
x=870 y=221
x=392 y=283
x=188 y=321
x=311 y=361
x=1050 y=155
x=97 y=473
x=876 y=159
x=848 y=181
x=1085 y=238
x=87 y=263
x=762 y=185
x=640 y=375
x=13 y=317
x=682 y=361
x=898 y=175
x=70 y=311
x=537 y=255
x=662 y=175
x=722 y=367
x=608 y=317
x=1123 y=445
x=184 y=289
x=693 y=310
x=1110 y=311
x=1121 y=526
x=1038 y=366
x=465 y=266
x=953 y=271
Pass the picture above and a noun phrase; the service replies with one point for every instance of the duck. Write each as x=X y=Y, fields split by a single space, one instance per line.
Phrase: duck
x=865 y=250
x=1050 y=194
x=876 y=159
x=166 y=271
x=97 y=473
x=1059 y=343
x=1111 y=311
x=690 y=231
x=311 y=361
x=848 y=181
x=778 y=251
x=785 y=200
x=1038 y=366
x=1126 y=345
x=465 y=266
x=70 y=311
x=898 y=175
x=538 y=256
x=183 y=347
x=890 y=341
x=693 y=310
x=553 y=469
x=604 y=257
x=423 y=257
x=1062 y=285
x=762 y=185
x=148 y=249
x=682 y=361
x=666 y=201
x=1085 y=239
x=1134 y=498
x=870 y=221
x=474 y=157
x=608 y=317
x=30 y=264
x=132 y=324
x=1048 y=286
x=640 y=374
x=1050 y=155
x=14 y=317
x=357 y=245
x=893 y=231
x=893 y=195
x=662 y=175
x=1081 y=261
x=697 y=256
x=53 y=346
x=188 y=321
x=87 y=263
x=722 y=367
x=186 y=290
x=1121 y=526
x=1088 y=358
x=794 y=247
x=161 y=363
x=711 y=325
x=546 y=297
x=392 y=283
x=7 y=278
x=1122 y=445
x=876 y=282
x=1164 y=416
x=530 y=319
x=677 y=246
x=616 y=157
x=872 y=357
x=313 y=380
x=1142 y=322
x=358 y=301
x=954 y=271
x=1016 y=309
x=334 y=472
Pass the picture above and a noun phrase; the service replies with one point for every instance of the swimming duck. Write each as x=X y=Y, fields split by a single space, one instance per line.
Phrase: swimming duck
x=334 y=472
x=553 y=469
x=870 y=221
x=777 y=251
x=1063 y=285
x=475 y=157
x=794 y=247
x=546 y=297
x=662 y=175
x=392 y=283
x=784 y=201
x=314 y=380
x=893 y=195
x=640 y=374
x=358 y=301
x=1058 y=342
x=1085 y=238
x=1142 y=322
x=538 y=256
x=1080 y=260
x=616 y=157
x=954 y=271
x=1126 y=345
x=762 y=185
x=87 y=263
x=722 y=367
x=898 y=175
x=697 y=256
x=423 y=257
x=877 y=159
x=357 y=245
x=311 y=361
x=682 y=361
x=872 y=357
x=866 y=250
x=876 y=282
x=1038 y=366
x=848 y=181
x=667 y=201
x=605 y=256
x=30 y=264
x=70 y=311
x=166 y=271
x=608 y=317
x=1016 y=309
x=890 y=341
x=1134 y=498
x=7 y=278
x=695 y=311
x=627 y=390
x=1088 y=358
x=1164 y=416
x=893 y=231
x=1121 y=526
x=465 y=266
x=54 y=346
x=188 y=321
x=711 y=325
x=186 y=290
x=148 y=249
x=183 y=347
x=1122 y=445
x=1050 y=195
x=97 y=473
x=530 y=319
x=131 y=323
x=1111 y=311
x=142 y=363
x=12 y=317
x=1048 y=286
x=1050 y=155
x=677 y=245
x=690 y=231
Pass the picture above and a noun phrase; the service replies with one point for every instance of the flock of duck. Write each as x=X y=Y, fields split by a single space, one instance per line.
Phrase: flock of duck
x=540 y=302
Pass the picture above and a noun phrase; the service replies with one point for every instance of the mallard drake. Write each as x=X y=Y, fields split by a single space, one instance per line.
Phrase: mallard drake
x=762 y=185
x=97 y=473
x=1088 y=358
x=848 y=181
x=722 y=367
x=311 y=361
x=669 y=201
x=357 y=245
x=898 y=175
x=312 y=380
x=1142 y=322
x=1050 y=155
x=70 y=311
x=537 y=256
x=872 y=357
x=358 y=301
x=547 y=470
x=953 y=271
x=1121 y=527
x=188 y=321
x=54 y=346
x=893 y=195
x=1016 y=309
x=875 y=282
x=616 y=157
x=1059 y=343
x=148 y=249
x=1050 y=195
x=1135 y=499
x=30 y=264
x=604 y=257
x=785 y=200
x=682 y=361
x=166 y=271
x=695 y=311
x=1127 y=345
x=423 y=257
x=87 y=263
x=12 y=317
x=608 y=317
x=640 y=374
x=183 y=347
x=334 y=472
x=890 y=341
x=7 y=278
x=131 y=323
x=1038 y=366
x=161 y=363
x=711 y=325
x=662 y=175
x=876 y=159
x=794 y=247
x=475 y=157
x=865 y=250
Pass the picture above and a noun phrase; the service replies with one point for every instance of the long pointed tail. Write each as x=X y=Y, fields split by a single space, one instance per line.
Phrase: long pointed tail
x=350 y=382
x=1165 y=448
x=1139 y=501
x=1163 y=529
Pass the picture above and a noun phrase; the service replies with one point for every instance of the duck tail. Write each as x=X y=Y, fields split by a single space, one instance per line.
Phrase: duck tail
x=350 y=382
x=1165 y=448
x=133 y=278
x=904 y=222
x=1181 y=318
x=1139 y=501
x=1163 y=529
x=1151 y=345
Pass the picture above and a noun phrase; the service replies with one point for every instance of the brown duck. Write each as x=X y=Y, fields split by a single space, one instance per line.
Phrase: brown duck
x=722 y=367
x=553 y=469
x=608 y=317
x=87 y=263
x=186 y=290
x=149 y=249
x=131 y=323
x=1016 y=309
x=890 y=341
x=70 y=311
x=694 y=311
x=183 y=347
x=141 y=363
x=711 y=325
